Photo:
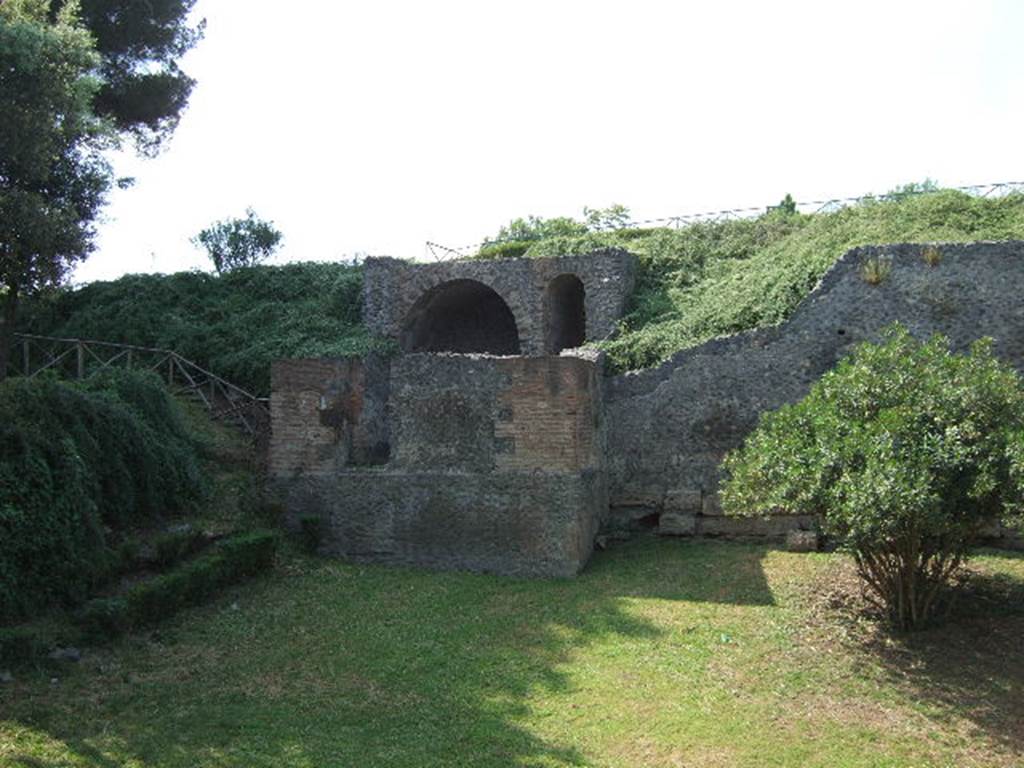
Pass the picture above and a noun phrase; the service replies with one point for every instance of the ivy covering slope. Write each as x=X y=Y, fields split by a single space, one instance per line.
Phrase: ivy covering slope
x=234 y=324
x=712 y=279
x=80 y=463
x=694 y=284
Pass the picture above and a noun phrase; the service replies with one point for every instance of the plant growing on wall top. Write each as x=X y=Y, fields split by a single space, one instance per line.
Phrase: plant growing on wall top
x=905 y=451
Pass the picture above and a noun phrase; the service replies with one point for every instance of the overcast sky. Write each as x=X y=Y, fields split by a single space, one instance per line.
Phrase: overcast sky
x=372 y=127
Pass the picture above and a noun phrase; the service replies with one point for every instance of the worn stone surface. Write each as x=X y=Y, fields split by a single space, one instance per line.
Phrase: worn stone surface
x=670 y=427
x=517 y=524
x=327 y=414
x=495 y=464
x=802 y=541
x=394 y=290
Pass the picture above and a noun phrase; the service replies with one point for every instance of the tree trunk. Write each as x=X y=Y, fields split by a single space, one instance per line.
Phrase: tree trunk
x=7 y=328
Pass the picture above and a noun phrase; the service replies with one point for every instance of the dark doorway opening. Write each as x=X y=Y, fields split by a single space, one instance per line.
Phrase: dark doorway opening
x=566 y=314
x=460 y=316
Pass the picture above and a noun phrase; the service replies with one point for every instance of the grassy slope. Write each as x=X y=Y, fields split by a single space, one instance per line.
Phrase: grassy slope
x=661 y=653
x=236 y=324
x=719 y=278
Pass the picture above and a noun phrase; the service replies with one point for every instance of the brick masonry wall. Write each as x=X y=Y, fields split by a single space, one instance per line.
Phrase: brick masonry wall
x=494 y=463
x=670 y=427
x=392 y=287
x=482 y=414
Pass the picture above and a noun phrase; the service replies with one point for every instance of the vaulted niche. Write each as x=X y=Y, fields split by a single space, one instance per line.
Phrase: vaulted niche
x=566 y=314
x=460 y=316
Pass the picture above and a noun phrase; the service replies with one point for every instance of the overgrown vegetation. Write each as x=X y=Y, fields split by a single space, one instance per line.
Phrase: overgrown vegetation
x=234 y=324
x=79 y=464
x=906 y=451
x=717 y=278
x=694 y=283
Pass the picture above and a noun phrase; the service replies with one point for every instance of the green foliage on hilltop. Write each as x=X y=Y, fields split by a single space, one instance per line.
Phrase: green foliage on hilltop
x=716 y=278
x=78 y=464
x=234 y=324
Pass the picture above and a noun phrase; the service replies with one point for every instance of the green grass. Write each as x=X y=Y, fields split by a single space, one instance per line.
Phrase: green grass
x=661 y=653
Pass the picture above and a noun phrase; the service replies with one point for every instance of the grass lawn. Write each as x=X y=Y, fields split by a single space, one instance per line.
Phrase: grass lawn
x=662 y=653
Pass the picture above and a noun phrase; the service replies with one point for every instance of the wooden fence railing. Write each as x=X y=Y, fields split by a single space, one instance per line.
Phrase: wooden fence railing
x=82 y=358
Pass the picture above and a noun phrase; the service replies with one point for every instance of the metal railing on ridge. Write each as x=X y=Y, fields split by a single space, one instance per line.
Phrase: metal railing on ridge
x=441 y=252
x=82 y=358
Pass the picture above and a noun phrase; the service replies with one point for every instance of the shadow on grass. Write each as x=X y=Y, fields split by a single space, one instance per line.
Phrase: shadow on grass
x=972 y=666
x=331 y=664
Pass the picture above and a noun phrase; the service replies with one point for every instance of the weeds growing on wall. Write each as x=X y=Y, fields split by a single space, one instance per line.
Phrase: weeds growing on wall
x=78 y=464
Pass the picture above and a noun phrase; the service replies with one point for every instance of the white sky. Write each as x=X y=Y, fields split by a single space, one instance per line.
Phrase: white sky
x=375 y=126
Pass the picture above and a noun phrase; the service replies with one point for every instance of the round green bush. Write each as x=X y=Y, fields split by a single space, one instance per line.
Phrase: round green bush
x=905 y=451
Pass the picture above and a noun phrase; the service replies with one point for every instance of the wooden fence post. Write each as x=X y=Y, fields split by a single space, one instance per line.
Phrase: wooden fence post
x=25 y=359
x=80 y=350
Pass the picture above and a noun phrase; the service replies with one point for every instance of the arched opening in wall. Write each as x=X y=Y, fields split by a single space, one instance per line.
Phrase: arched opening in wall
x=460 y=316
x=566 y=314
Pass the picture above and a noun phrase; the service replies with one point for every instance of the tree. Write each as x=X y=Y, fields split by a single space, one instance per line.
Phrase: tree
x=905 y=450
x=65 y=95
x=234 y=243
x=615 y=216
x=53 y=178
x=142 y=89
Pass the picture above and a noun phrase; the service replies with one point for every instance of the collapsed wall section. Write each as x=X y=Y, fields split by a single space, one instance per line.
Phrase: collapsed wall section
x=670 y=427
x=493 y=464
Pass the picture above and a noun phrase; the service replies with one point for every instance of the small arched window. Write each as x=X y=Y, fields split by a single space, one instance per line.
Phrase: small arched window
x=565 y=313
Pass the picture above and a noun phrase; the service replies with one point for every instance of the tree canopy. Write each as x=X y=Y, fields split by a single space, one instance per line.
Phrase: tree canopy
x=53 y=178
x=142 y=89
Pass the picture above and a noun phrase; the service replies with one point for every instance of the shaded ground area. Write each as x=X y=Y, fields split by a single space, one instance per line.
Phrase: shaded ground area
x=662 y=653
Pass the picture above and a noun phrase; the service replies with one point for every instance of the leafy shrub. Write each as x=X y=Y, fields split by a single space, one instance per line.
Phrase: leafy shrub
x=149 y=602
x=77 y=461
x=905 y=450
x=237 y=242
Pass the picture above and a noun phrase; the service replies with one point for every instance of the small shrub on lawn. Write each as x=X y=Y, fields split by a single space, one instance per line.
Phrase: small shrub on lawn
x=905 y=450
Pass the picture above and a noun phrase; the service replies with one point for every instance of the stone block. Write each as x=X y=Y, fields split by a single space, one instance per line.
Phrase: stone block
x=675 y=524
x=802 y=541
x=684 y=500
